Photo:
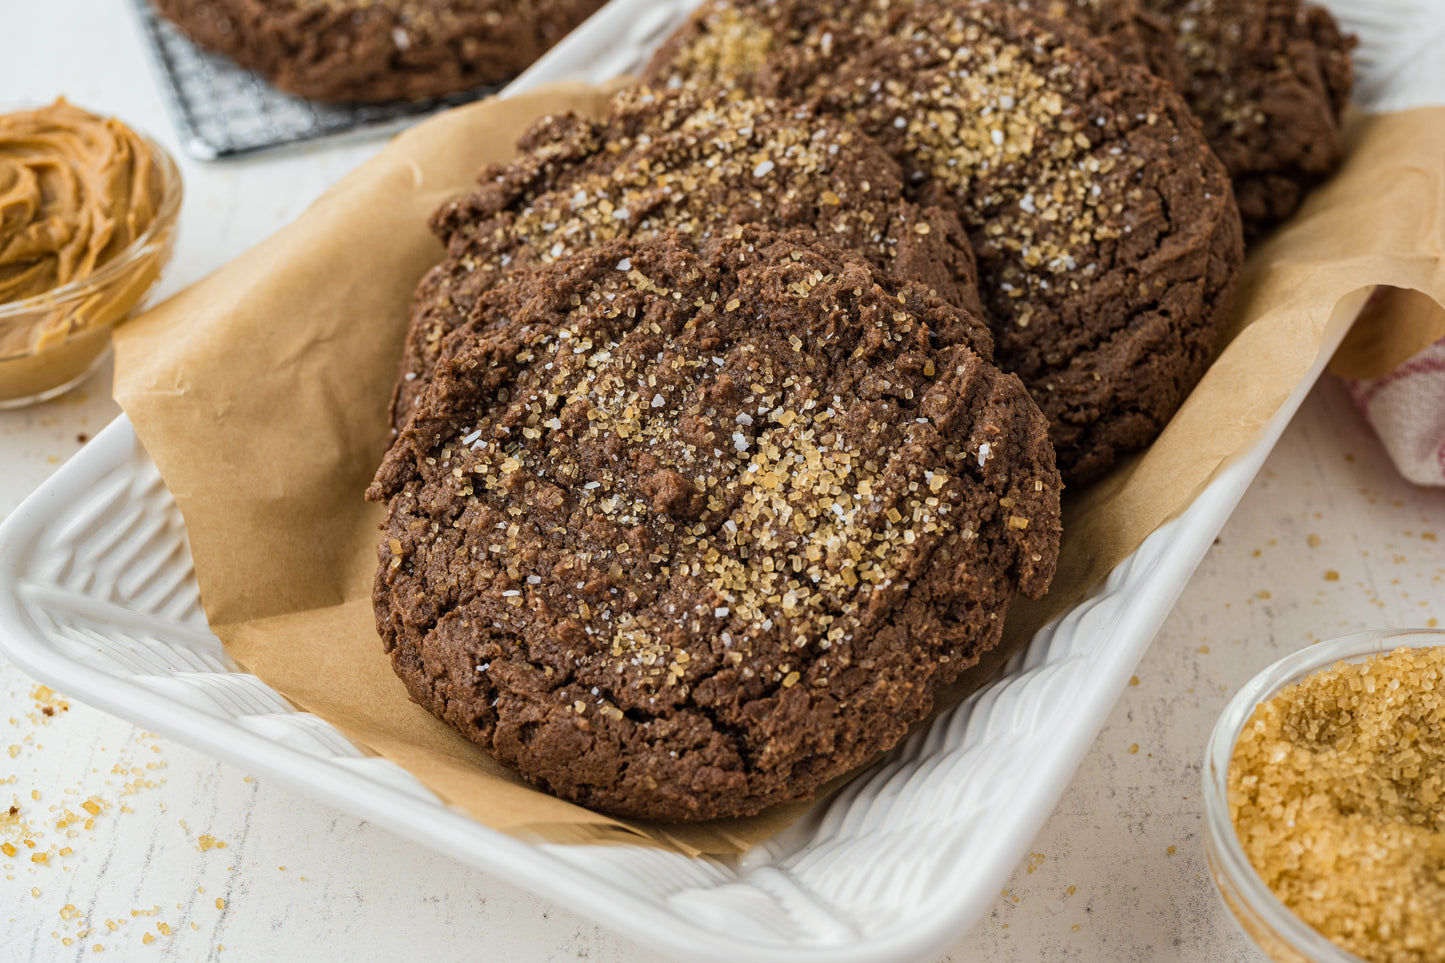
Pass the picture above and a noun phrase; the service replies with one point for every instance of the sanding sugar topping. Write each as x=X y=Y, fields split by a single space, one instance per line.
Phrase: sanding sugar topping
x=996 y=120
x=701 y=164
x=766 y=507
x=734 y=43
x=990 y=110
x=1210 y=41
x=712 y=478
x=1099 y=17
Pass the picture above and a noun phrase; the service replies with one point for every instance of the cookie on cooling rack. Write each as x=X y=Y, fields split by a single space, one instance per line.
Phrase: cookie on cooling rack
x=374 y=50
x=681 y=532
x=690 y=162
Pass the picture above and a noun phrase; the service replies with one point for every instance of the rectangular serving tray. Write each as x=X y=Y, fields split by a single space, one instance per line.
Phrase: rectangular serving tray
x=98 y=599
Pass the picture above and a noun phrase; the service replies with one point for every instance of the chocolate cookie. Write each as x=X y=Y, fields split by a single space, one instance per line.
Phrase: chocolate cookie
x=690 y=162
x=379 y=49
x=1269 y=80
x=1107 y=236
x=689 y=531
x=727 y=42
x=1126 y=28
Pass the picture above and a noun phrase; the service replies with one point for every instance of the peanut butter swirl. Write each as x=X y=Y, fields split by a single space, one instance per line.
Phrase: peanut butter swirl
x=76 y=190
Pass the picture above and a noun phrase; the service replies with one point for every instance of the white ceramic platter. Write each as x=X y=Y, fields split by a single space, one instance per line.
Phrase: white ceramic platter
x=98 y=599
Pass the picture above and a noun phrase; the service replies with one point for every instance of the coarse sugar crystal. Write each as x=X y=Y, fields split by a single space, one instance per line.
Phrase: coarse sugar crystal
x=1337 y=793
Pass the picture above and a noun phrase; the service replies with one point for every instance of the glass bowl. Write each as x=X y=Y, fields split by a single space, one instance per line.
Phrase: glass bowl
x=1282 y=935
x=51 y=342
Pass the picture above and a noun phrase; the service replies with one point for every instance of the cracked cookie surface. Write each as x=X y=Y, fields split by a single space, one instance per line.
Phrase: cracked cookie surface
x=683 y=532
x=1269 y=80
x=687 y=162
x=1107 y=236
x=725 y=41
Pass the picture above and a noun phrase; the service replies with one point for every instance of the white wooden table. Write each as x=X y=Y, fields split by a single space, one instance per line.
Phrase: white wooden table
x=1328 y=541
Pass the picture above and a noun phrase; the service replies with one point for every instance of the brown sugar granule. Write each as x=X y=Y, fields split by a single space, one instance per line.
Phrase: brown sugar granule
x=1337 y=792
x=48 y=701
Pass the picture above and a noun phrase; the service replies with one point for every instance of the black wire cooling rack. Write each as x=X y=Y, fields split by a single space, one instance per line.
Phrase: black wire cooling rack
x=223 y=111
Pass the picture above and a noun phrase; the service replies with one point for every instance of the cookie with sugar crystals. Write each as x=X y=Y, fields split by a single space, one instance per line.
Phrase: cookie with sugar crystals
x=1269 y=80
x=727 y=42
x=1126 y=28
x=683 y=531
x=690 y=162
x=1107 y=236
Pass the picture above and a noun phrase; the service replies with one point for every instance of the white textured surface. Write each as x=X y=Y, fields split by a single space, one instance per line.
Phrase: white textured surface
x=1132 y=901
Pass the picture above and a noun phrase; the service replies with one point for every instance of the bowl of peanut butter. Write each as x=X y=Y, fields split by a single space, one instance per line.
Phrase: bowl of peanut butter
x=88 y=211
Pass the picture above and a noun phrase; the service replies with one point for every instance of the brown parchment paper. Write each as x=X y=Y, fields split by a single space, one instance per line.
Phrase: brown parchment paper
x=1396 y=325
x=261 y=393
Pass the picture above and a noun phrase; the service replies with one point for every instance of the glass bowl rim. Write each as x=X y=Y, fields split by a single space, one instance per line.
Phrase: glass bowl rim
x=172 y=192
x=1234 y=864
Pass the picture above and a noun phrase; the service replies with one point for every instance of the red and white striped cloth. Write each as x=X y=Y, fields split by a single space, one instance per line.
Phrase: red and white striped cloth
x=1407 y=410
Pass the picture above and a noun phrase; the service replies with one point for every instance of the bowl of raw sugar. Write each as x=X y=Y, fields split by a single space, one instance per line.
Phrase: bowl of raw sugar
x=1324 y=795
